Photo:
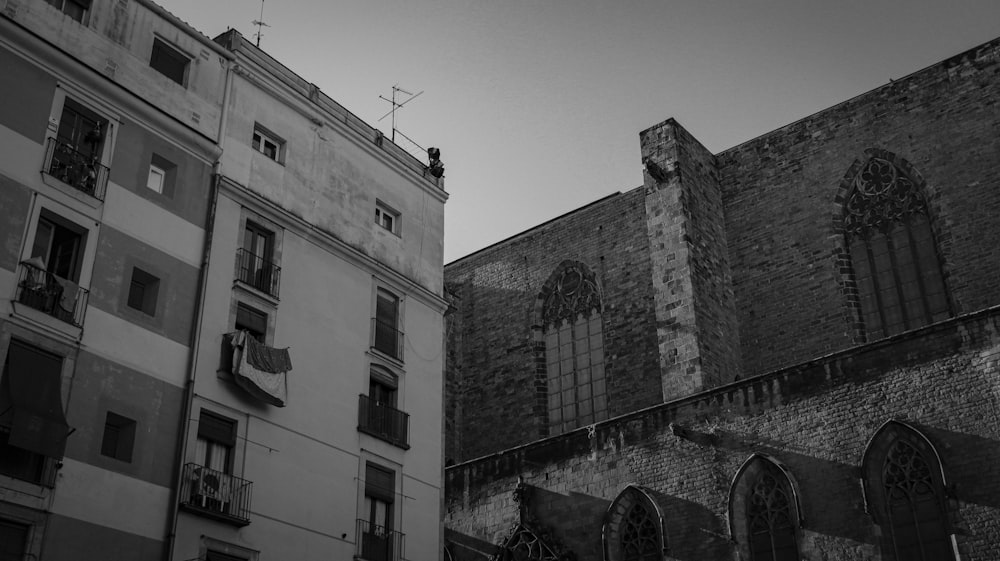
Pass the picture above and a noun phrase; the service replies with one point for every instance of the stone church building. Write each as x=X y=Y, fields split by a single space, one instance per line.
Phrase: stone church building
x=786 y=350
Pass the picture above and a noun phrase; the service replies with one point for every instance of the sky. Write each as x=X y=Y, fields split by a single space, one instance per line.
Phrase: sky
x=537 y=105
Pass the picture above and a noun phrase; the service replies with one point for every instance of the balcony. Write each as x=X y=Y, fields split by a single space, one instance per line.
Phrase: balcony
x=74 y=168
x=384 y=422
x=216 y=495
x=257 y=272
x=387 y=339
x=378 y=543
x=55 y=296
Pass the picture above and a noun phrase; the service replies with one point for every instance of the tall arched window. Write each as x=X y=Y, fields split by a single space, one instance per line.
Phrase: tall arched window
x=633 y=527
x=764 y=511
x=892 y=250
x=574 y=348
x=905 y=491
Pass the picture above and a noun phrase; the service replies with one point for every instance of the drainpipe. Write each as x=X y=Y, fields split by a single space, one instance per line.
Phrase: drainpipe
x=182 y=442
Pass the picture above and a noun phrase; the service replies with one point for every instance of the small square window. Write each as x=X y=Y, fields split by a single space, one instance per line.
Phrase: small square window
x=75 y=9
x=386 y=217
x=119 y=437
x=143 y=291
x=156 y=178
x=169 y=61
x=268 y=144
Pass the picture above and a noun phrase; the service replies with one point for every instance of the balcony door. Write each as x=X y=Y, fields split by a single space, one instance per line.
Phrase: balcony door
x=258 y=243
x=377 y=534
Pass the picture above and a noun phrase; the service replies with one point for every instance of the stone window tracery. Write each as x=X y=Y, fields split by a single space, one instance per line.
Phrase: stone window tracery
x=764 y=511
x=893 y=254
x=633 y=527
x=574 y=348
x=905 y=487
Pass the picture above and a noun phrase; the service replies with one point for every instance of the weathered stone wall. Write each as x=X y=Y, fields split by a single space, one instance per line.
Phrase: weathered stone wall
x=816 y=418
x=495 y=291
x=780 y=192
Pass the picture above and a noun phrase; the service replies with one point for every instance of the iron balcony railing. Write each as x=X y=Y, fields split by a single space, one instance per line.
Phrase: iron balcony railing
x=387 y=339
x=378 y=543
x=216 y=494
x=76 y=169
x=56 y=296
x=257 y=272
x=383 y=421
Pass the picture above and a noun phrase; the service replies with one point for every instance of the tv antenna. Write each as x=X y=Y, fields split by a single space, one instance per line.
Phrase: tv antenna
x=260 y=24
x=396 y=90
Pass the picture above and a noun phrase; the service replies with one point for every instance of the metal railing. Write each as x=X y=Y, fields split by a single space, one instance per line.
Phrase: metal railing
x=216 y=494
x=383 y=421
x=74 y=168
x=378 y=543
x=56 y=296
x=387 y=339
x=257 y=272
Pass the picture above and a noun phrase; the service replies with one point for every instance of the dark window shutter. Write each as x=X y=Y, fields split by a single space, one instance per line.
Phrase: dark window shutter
x=380 y=483
x=217 y=428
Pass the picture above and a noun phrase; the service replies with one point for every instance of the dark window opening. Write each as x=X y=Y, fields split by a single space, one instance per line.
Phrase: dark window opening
x=13 y=540
x=387 y=336
x=58 y=246
x=169 y=61
x=119 y=437
x=255 y=260
x=143 y=291
x=252 y=321
x=75 y=9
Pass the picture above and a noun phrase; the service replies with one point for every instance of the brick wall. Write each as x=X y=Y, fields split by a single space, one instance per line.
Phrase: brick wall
x=816 y=418
x=780 y=193
x=495 y=292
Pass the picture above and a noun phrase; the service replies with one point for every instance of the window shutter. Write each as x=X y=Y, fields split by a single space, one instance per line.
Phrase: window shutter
x=380 y=483
x=217 y=429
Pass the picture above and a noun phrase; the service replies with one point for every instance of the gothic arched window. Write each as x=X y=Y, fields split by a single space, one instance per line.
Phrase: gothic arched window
x=574 y=348
x=905 y=490
x=633 y=527
x=892 y=249
x=764 y=512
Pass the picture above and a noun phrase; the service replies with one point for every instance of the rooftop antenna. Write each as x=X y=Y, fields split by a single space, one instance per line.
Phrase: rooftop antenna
x=396 y=105
x=260 y=23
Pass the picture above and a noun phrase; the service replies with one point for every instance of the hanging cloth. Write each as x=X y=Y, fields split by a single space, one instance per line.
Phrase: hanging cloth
x=260 y=370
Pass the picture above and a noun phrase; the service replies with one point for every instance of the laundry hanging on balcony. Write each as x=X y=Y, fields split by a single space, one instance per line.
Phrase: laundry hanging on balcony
x=259 y=369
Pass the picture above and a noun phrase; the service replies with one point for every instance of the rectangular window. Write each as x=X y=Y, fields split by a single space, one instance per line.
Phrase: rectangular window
x=251 y=320
x=59 y=246
x=169 y=61
x=377 y=537
x=386 y=335
x=256 y=265
x=75 y=9
x=76 y=155
x=216 y=440
x=143 y=291
x=268 y=144
x=386 y=217
x=13 y=540
x=119 y=437
x=156 y=178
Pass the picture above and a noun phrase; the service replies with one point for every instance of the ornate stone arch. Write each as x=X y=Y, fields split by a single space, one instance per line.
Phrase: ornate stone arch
x=905 y=492
x=878 y=191
x=765 y=515
x=634 y=528
x=566 y=320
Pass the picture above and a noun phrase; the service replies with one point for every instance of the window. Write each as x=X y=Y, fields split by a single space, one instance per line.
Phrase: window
x=268 y=144
x=143 y=291
x=32 y=422
x=377 y=539
x=156 y=178
x=255 y=261
x=574 y=348
x=378 y=415
x=386 y=217
x=252 y=321
x=905 y=486
x=48 y=278
x=75 y=9
x=119 y=437
x=214 y=456
x=169 y=61
x=75 y=155
x=13 y=540
x=892 y=250
x=386 y=337
x=633 y=527
x=763 y=511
